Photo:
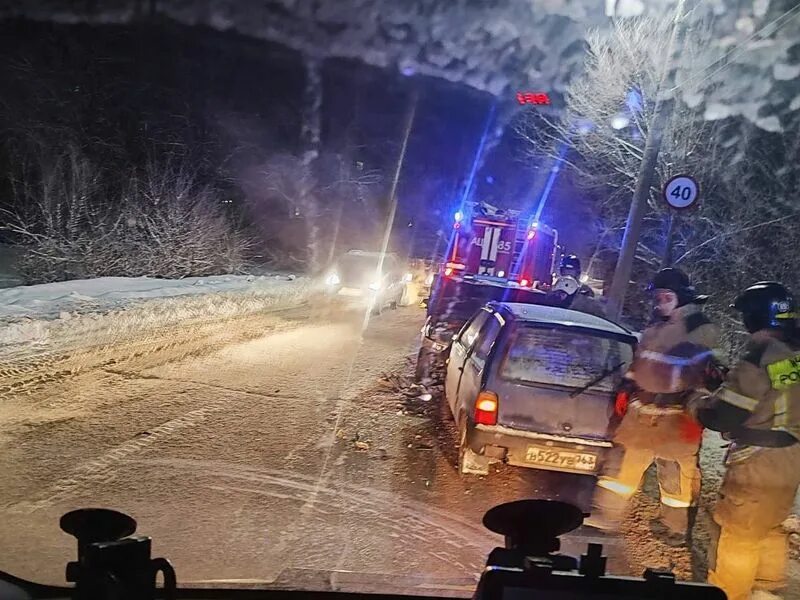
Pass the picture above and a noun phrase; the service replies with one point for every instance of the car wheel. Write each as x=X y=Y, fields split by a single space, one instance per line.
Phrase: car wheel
x=469 y=462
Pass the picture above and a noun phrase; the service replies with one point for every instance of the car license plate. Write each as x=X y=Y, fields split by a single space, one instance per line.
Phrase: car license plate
x=345 y=291
x=561 y=459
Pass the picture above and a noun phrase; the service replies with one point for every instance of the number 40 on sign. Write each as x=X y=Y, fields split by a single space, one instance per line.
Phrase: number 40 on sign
x=682 y=191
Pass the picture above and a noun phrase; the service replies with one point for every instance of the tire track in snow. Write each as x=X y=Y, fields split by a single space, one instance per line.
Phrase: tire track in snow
x=410 y=522
x=103 y=469
x=160 y=345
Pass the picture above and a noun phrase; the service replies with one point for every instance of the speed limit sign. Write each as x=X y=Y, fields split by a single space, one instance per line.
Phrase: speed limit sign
x=681 y=191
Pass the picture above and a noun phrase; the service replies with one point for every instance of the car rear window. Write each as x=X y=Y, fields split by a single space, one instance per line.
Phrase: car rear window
x=564 y=357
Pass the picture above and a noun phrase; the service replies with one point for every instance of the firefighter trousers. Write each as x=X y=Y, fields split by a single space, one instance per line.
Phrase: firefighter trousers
x=750 y=548
x=644 y=438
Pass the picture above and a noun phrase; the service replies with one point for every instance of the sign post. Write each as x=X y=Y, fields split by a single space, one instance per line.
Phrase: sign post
x=680 y=193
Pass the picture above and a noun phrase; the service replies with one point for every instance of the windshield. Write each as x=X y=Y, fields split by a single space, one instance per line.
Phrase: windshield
x=194 y=200
x=356 y=270
x=562 y=356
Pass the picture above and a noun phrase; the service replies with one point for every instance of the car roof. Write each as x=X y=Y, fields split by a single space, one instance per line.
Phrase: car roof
x=539 y=313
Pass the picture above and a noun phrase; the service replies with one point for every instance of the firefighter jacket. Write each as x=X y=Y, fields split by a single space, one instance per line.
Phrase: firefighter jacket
x=759 y=403
x=672 y=356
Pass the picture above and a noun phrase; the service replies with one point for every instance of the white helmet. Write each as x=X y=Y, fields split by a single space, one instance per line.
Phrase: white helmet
x=568 y=285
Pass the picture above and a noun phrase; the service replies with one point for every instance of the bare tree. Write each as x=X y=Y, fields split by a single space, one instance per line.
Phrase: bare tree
x=601 y=138
x=307 y=211
x=163 y=225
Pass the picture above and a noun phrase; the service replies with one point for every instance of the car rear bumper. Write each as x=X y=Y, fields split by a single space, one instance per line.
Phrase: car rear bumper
x=532 y=450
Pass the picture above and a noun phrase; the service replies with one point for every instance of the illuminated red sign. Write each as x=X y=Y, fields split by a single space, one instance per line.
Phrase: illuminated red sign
x=533 y=98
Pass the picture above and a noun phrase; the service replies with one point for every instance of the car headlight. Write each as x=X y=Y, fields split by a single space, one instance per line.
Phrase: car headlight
x=375 y=286
x=429 y=279
x=408 y=278
x=332 y=279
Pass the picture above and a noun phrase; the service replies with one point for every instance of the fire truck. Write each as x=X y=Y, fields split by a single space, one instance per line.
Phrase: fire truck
x=494 y=255
x=502 y=246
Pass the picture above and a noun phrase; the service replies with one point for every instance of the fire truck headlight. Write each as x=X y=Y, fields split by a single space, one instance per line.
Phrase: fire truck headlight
x=501 y=273
x=333 y=279
x=584 y=278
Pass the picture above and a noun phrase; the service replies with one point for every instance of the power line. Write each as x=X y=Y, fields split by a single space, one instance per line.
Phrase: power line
x=740 y=48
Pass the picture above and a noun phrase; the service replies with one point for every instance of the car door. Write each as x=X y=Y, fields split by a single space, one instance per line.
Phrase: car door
x=459 y=351
x=476 y=362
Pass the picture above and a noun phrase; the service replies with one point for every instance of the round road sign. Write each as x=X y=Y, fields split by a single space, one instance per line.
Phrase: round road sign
x=681 y=191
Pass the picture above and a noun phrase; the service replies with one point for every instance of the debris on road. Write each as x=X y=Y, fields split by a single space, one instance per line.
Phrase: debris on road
x=361 y=445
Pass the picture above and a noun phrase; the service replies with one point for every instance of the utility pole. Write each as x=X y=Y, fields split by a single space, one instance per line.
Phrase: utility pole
x=672 y=222
x=661 y=114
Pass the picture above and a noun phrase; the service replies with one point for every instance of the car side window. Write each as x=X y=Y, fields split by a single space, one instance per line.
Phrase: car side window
x=470 y=333
x=486 y=340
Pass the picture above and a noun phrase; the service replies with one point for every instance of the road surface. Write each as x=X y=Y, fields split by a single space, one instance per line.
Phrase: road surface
x=301 y=445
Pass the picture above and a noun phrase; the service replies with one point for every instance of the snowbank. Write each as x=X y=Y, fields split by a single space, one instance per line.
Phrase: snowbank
x=105 y=293
x=71 y=314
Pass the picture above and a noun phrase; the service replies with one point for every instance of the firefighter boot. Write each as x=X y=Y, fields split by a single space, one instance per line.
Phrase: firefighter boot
x=608 y=509
x=672 y=525
x=679 y=486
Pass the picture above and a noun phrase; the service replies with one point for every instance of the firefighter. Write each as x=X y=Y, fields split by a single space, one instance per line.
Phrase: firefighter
x=758 y=409
x=566 y=294
x=670 y=363
x=570 y=266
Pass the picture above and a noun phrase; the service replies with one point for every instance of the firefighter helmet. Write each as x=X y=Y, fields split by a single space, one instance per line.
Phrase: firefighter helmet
x=767 y=305
x=572 y=263
x=568 y=285
x=677 y=281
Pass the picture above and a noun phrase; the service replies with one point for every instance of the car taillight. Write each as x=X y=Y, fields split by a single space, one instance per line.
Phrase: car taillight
x=621 y=403
x=486 y=409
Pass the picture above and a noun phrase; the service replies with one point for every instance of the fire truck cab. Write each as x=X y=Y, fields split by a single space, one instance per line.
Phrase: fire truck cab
x=501 y=245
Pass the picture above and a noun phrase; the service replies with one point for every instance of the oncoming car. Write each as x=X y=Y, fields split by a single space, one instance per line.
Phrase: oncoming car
x=355 y=280
x=533 y=386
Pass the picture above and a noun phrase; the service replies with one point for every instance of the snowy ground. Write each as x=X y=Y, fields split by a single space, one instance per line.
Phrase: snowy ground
x=268 y=439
